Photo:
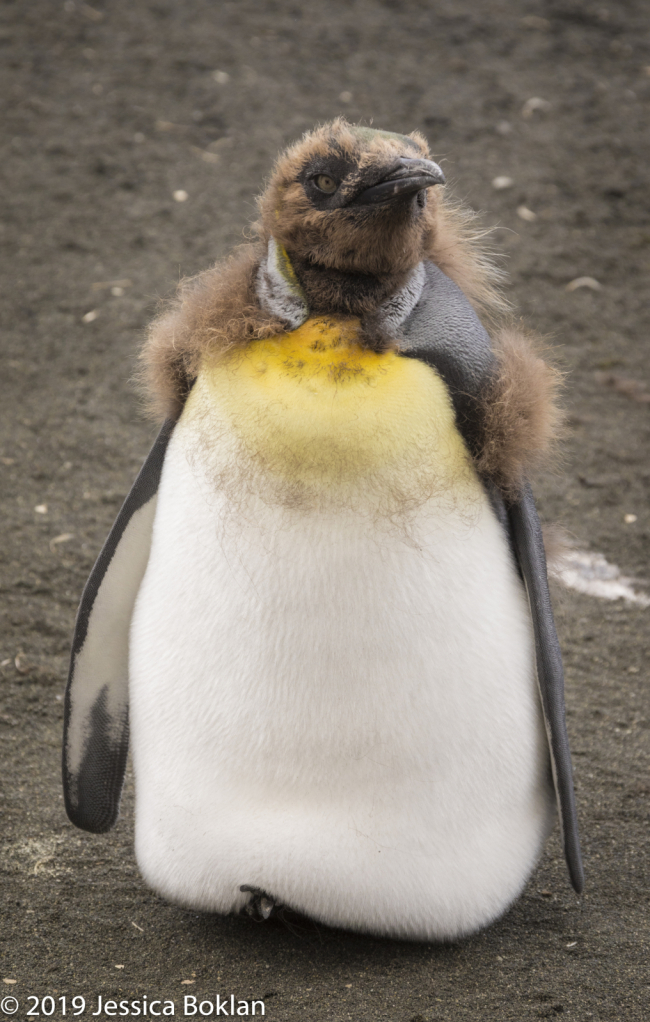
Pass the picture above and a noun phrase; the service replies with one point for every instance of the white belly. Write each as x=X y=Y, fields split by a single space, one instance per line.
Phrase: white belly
x=333 y=711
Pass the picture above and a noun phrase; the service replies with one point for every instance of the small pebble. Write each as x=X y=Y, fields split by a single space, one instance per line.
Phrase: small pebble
x=345 y=97
x=629 y=519
x=20 y=664
x=90 y=317
x=533 y=104
x=65 y=537
x=180 y=195
x=221 y=77
x=504 y=127
x=41 y=509
x=99 y=285
x=590 y=282
x=502 y=182
x=526 y=214
x=117 y=292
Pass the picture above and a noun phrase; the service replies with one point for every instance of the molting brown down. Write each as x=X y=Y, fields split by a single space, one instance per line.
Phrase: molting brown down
x=521 y=419
x=348 y=259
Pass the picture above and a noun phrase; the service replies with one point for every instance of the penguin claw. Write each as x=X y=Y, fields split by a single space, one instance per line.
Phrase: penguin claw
x=266 y=907
x=261 y=906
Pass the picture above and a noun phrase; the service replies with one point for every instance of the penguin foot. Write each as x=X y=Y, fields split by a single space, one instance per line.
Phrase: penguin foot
x=261 y=906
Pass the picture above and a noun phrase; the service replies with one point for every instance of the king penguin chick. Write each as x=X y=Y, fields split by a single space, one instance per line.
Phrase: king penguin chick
x=323 y=609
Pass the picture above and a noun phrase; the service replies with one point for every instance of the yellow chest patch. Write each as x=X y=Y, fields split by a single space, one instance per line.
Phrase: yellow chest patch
x=313 y=406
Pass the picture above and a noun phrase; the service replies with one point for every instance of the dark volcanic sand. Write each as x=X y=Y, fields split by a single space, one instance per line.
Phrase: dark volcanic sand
x=107 y=111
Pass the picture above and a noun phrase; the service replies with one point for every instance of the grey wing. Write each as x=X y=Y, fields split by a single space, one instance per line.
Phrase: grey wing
x=526 y=533
x=444 y=331
x=96 y=718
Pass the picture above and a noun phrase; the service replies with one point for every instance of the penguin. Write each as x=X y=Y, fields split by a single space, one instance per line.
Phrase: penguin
x=322 y=616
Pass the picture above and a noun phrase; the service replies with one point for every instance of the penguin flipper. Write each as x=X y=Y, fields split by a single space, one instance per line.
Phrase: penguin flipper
x=526 y=533
x=96 y=723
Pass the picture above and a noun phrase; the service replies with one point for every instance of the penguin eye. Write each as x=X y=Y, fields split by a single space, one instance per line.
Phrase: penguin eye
x=326 y=183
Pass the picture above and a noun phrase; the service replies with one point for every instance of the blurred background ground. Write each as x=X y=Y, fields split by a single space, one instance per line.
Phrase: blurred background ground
x=135 y=137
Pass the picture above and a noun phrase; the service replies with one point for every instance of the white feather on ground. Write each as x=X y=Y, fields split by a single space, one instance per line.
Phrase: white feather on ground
x=589 y=572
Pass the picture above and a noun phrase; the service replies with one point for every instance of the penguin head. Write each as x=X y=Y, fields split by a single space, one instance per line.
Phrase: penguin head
x=352 y=200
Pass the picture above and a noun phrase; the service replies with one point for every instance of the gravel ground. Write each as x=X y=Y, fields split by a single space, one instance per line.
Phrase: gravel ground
x=111 y=109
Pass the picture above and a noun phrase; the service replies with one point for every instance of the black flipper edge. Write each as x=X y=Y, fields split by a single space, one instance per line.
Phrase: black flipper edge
x=529 y=548
x=96 y=728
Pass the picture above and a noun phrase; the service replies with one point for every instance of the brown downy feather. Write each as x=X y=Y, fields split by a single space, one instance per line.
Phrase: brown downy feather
x=521 y=419
x=457 y=247
x=214 y=311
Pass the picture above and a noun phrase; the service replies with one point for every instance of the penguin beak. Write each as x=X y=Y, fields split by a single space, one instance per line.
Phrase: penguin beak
x=404 y=178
